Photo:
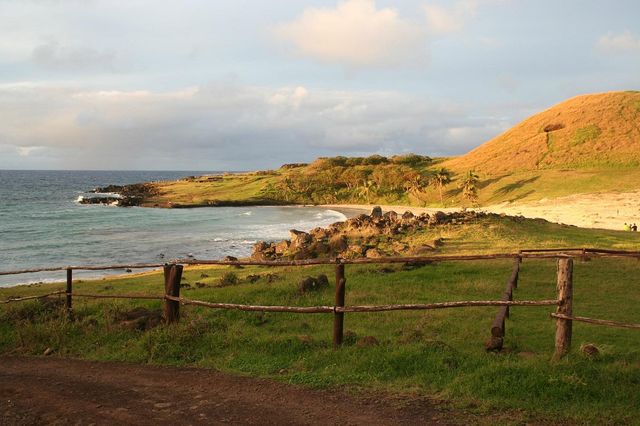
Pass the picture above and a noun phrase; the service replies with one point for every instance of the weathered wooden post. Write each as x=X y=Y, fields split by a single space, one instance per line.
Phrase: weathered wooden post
x=565 y=307
x=69 y=291
x=338 y=317
x=172 y=277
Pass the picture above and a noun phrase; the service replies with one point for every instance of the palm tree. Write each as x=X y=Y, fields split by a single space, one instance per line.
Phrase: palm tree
x=440 y=178
x=469 y=186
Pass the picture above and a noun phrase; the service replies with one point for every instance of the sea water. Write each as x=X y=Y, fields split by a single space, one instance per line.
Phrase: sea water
x=43 y=225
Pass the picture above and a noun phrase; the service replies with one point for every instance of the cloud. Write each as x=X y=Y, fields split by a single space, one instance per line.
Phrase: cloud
x=357 y=34
x=619 y=43
x=442 y=20
x=223 y=126
x=54 y=56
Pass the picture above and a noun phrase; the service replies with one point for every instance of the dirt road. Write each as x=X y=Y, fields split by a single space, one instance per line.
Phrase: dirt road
x=61 y=391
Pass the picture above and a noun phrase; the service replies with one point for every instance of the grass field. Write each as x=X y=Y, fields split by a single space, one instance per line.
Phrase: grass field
x=438 y=353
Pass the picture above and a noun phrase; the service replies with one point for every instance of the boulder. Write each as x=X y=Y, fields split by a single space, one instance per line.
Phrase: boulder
x=376 y=212
x=437 y=218
x=282 y=247
x=338 y=243
x=308 y=284
x=299 y=239
x=391 y=216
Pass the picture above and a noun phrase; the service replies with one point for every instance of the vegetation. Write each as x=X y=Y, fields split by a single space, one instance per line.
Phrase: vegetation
x=438 y=353
x=586 y=134
x=469 y=186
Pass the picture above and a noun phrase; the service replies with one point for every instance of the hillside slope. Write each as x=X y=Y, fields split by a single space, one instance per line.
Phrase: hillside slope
x=589 y=131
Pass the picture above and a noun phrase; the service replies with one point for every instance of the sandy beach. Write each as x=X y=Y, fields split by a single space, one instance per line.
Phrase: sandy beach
x=602 y=210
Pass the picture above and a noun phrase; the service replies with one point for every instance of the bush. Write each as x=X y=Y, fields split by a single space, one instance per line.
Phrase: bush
x=228 y=278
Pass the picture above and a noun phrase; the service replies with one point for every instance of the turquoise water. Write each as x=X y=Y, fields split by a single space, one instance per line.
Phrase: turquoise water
x=42 y=225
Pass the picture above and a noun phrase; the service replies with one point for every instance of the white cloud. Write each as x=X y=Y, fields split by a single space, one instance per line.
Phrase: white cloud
x=442 y=20
x=222 y=126
x=619 y=43
x=357 y=34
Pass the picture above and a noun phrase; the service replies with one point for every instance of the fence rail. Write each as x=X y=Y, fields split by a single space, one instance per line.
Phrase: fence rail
x=173 y=275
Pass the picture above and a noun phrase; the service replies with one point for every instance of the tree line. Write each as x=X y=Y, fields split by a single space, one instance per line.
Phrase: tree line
x=401 y=178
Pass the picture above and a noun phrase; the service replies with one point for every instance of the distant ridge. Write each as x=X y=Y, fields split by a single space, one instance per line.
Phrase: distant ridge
x=586 y=132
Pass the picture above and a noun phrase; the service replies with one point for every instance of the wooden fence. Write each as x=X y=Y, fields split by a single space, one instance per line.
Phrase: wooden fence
x=564 y=301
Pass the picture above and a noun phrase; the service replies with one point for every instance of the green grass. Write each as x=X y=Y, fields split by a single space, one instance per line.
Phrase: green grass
x=438 y=353
x=586 y=134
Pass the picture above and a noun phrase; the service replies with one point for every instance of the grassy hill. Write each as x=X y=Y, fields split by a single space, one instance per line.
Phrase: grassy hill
x=586 y=132
x=587 y=144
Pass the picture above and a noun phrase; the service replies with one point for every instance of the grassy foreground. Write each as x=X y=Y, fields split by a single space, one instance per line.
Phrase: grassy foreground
x=438 y=353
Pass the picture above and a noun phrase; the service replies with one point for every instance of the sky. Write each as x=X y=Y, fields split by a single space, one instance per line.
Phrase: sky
x=253 y=84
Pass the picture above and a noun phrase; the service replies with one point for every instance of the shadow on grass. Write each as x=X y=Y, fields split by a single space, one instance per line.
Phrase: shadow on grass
x=515 y=185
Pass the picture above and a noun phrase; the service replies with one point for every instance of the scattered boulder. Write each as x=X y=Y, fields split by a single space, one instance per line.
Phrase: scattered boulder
x=308 y=284
x=47 y=352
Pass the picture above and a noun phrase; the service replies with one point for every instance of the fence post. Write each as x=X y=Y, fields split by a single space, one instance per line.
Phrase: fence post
x=69 y=291
x=172 y=277
x=338 y=317
x=565 y=307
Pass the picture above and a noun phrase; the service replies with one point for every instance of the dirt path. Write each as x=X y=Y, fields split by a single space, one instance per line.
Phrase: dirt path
x=61 y=391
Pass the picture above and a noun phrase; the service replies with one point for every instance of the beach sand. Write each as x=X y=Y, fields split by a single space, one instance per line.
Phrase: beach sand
x=603 y=210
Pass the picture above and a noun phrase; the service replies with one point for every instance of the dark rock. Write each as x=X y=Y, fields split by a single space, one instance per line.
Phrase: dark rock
x=308 y=284
x=230 y=259
x=200 y=284
x=376 y=212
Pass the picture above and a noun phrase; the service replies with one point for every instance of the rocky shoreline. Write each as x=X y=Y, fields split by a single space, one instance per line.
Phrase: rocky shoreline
x=126 y=195
x=372 y=236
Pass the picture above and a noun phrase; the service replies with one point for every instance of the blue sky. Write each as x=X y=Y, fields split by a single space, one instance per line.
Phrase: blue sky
x=108 y=84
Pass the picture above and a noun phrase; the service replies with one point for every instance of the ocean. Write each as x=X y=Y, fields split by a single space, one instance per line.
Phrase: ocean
x=43 y=225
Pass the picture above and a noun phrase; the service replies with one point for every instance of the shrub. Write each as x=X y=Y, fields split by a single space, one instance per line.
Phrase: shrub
x=228 y=278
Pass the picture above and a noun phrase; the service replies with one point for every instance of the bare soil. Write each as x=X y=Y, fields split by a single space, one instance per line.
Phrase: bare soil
x=64 y=391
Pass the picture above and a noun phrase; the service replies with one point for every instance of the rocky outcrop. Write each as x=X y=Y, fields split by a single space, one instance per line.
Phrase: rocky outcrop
x=372 y=236
x=128 y=195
